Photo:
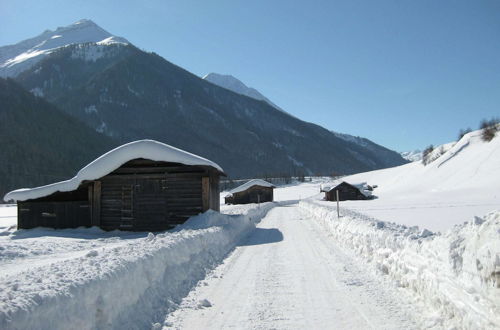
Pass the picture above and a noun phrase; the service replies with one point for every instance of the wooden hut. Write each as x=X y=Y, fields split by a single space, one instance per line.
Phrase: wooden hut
x=140 y=186
x=348 y=191
x=254 y=191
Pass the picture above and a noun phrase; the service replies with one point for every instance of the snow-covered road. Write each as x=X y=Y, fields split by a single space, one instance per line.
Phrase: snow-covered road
x=289 y=274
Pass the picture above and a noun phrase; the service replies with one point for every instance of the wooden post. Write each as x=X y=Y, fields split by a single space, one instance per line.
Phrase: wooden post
x=205 y=192
x=338 y=209
x=96 y=204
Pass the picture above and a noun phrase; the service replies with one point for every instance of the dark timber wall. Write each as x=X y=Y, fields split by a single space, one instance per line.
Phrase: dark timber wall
x=254 y=194
x=141 y=195
x=60 y=210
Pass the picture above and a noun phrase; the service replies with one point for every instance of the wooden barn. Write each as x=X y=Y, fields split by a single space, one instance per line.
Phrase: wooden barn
x=254 y=191
x=140 y=186
x=348 y=191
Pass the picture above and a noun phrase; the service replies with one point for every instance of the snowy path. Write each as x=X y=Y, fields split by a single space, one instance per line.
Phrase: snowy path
x=290 y=275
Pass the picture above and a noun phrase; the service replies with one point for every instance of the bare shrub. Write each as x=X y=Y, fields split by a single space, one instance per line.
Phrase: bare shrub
x=426 y=154
x=462 y=132
x=489 y=128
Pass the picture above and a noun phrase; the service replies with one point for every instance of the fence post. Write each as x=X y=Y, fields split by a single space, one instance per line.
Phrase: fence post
x=338 y=210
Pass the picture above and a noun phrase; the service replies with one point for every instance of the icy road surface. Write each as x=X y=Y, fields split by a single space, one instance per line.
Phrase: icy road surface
x=289 y=274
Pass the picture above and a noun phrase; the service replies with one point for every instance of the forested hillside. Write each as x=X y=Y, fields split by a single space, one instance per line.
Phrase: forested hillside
x=41 y=144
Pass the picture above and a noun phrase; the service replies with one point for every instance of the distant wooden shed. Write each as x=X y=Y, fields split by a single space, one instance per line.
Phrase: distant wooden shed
x=140 y=186
x=348 y=191
x=254 y=191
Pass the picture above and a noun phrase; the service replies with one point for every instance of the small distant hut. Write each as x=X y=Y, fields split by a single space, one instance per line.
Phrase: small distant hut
x=349 y=191
x=140 y=186
x=254 y=191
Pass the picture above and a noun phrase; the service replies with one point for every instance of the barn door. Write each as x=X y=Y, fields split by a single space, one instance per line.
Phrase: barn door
x=254 y=196
x=150 y=204
x=127 y=209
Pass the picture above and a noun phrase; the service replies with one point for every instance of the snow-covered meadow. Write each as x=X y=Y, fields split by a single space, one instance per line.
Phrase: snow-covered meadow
x=457 y=185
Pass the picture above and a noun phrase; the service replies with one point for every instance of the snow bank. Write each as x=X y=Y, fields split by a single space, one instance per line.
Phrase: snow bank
x=128 y=286
x=110 y=161
x=457 y=273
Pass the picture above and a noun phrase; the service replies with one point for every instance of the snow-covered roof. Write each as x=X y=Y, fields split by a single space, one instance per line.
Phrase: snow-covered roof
x=251 y=183
x=361 y=186
x=110 y=161
x=324 y=188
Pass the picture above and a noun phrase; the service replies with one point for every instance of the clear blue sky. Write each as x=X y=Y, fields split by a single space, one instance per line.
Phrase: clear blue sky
x=402 y=73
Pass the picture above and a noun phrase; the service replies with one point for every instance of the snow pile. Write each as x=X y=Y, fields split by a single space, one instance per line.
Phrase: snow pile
x=457 y=273
x=110 y=161
x=131 y=285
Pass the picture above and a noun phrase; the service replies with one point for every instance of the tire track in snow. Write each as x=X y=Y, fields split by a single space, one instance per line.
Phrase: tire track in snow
x=290 y=275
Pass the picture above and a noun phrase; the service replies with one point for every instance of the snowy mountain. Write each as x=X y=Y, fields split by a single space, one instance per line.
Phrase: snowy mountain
x=129 y=94
x=235 y=85
x=18 y=57
x=412 y=156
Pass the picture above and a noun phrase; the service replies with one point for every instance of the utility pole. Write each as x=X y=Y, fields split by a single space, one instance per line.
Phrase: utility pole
x=338 y=207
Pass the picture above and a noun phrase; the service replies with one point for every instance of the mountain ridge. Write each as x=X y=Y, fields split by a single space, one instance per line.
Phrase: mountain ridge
x=129 y=94
x=234 y=84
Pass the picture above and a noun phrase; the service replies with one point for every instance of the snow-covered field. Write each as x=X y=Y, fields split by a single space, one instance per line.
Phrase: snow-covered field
x=461 y=183
x=285 y=265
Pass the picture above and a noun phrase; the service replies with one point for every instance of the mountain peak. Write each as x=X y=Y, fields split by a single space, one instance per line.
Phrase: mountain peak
x=84 y=21
x=235 y=85
x=18 y=57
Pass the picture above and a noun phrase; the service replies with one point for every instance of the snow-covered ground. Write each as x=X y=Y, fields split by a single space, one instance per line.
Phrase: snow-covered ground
x=8 y=218
x=299 y=191
x=458 y=185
